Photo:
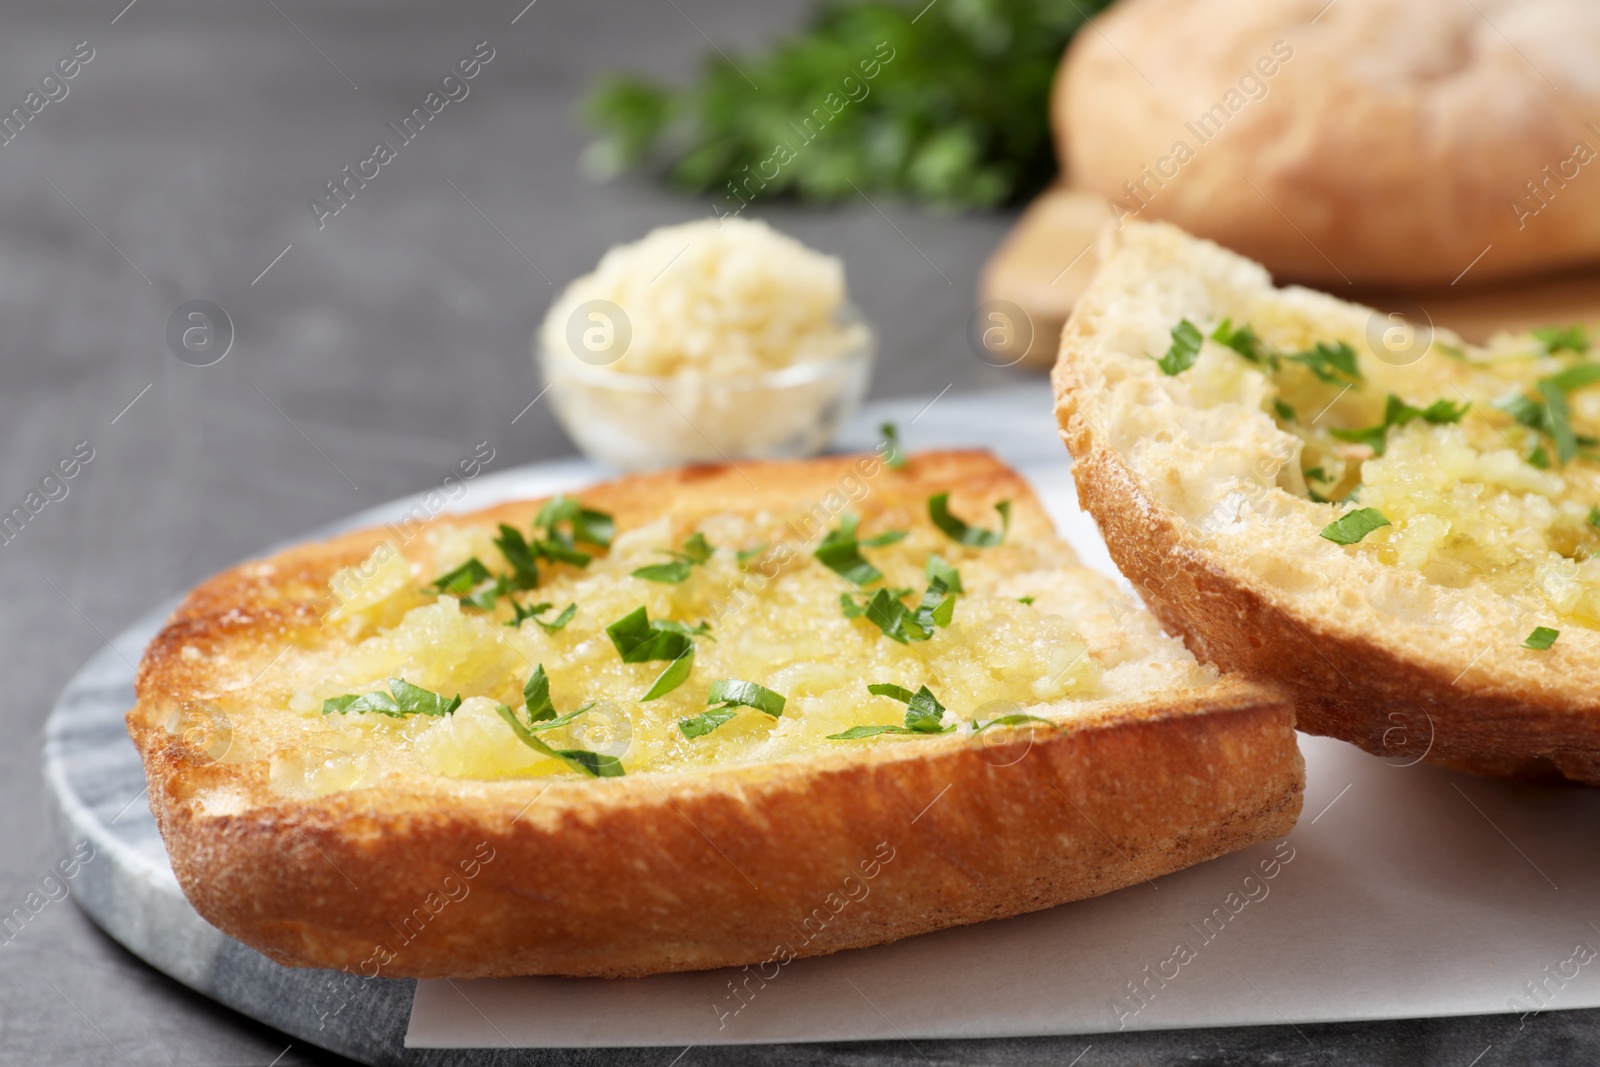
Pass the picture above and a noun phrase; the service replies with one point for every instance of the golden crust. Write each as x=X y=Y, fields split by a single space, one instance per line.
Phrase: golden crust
x=1392 y=688
x=662 y=872
x=1366 y=141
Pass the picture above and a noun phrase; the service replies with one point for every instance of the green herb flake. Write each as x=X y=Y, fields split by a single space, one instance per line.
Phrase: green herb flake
x=557 y=623
x=1594 y=516
x=840 y=552
x=923 y=714
x=748 y=555
x=1184 y=350
x=539 y=714
x=956 y=530
x=638 y=640
x=1025 y=600
x=462 y=580
x=522 y=557
x=402 y=699
x=584 y=524
x=1351 y=528
x=938 y=568
x=1541 y=639
x=668 y=573
x=1014 y=719
x=1334 y=363
x=1563 y=339
x=1243 y=341
x=894 y=457
x=1397 y=412
x=1284 y=411
x=729 y=694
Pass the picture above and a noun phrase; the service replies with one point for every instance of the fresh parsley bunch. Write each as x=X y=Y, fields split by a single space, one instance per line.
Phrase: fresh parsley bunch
x=955 y=111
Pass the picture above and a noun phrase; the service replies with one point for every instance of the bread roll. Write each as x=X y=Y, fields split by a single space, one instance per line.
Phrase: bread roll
x=1347 y=142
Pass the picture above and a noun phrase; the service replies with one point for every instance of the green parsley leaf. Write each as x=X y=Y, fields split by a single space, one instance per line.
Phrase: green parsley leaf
x=1316 y=474
x=888 y=537
x=1558 y=420
x=668 y=573
x=1541 y=639
x=956 y=530
x=1332 y=363
x=1351 y=528
x=1284 y=411
x=729 y=694
x=407 y=699
x=1243 y=341
x=638 y=640
x=1594 y=517
x=840 y=552
x=732 y=692
x=463 y=579
x=1397 y=412
x=559 y=551
x=540 y=608
x=957 y=112
x=586 y=524
x=1025 y=600
x=696 y=551
x=676 y=674
x=522 y=557
x=1014 y=719
x=1563 y=338
x=891 y=436
x=541 y=715
x=1184 y=350
x=923 y=713
x=938 y=568
x=1539 y=458
x=745 y=555
x=1575 y=377
x=703 y=723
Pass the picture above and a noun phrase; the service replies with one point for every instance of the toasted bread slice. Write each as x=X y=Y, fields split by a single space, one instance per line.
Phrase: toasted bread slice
x=443 y=845
x=1406 y=615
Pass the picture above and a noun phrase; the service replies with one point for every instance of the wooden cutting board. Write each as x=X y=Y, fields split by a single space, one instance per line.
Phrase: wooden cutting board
x=1031 y=281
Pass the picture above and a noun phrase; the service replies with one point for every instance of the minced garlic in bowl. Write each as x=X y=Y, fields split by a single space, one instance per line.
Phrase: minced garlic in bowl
x=705 y=341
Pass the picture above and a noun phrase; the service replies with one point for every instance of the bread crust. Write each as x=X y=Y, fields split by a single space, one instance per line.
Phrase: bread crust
x=679 y=871
x=1393 y=145
x=1381 y=684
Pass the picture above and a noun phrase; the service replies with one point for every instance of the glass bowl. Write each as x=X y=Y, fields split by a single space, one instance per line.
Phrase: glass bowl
x=637 y=422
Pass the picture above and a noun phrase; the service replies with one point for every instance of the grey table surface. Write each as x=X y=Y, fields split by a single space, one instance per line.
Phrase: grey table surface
x=368 y=358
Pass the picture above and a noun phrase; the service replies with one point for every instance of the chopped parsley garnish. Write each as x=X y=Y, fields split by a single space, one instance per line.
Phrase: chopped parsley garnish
x=1284 y=411
x=886 y=611
x=539 y=714
x=923 y=714
x=463 y=579
x=1397 y=412
x=1563 y=339
x=1184 y=350
x=1243 y=341
x=1549 y=414
x=1350 y=528
x=1594 y=516
x=1541 y=639
x=938 y=568
x=730 y=694
x=1015 y=719
x=583 y=524
x=638 y=640
x=891 y=436
x=538 y=609
x=745 y=555
x=1332 y=363
x=1025 y=600
x=956 y=530
x=402 y=699
x=696 y=551
x=1316 y=474
x=840 y=551
x=522 y=556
